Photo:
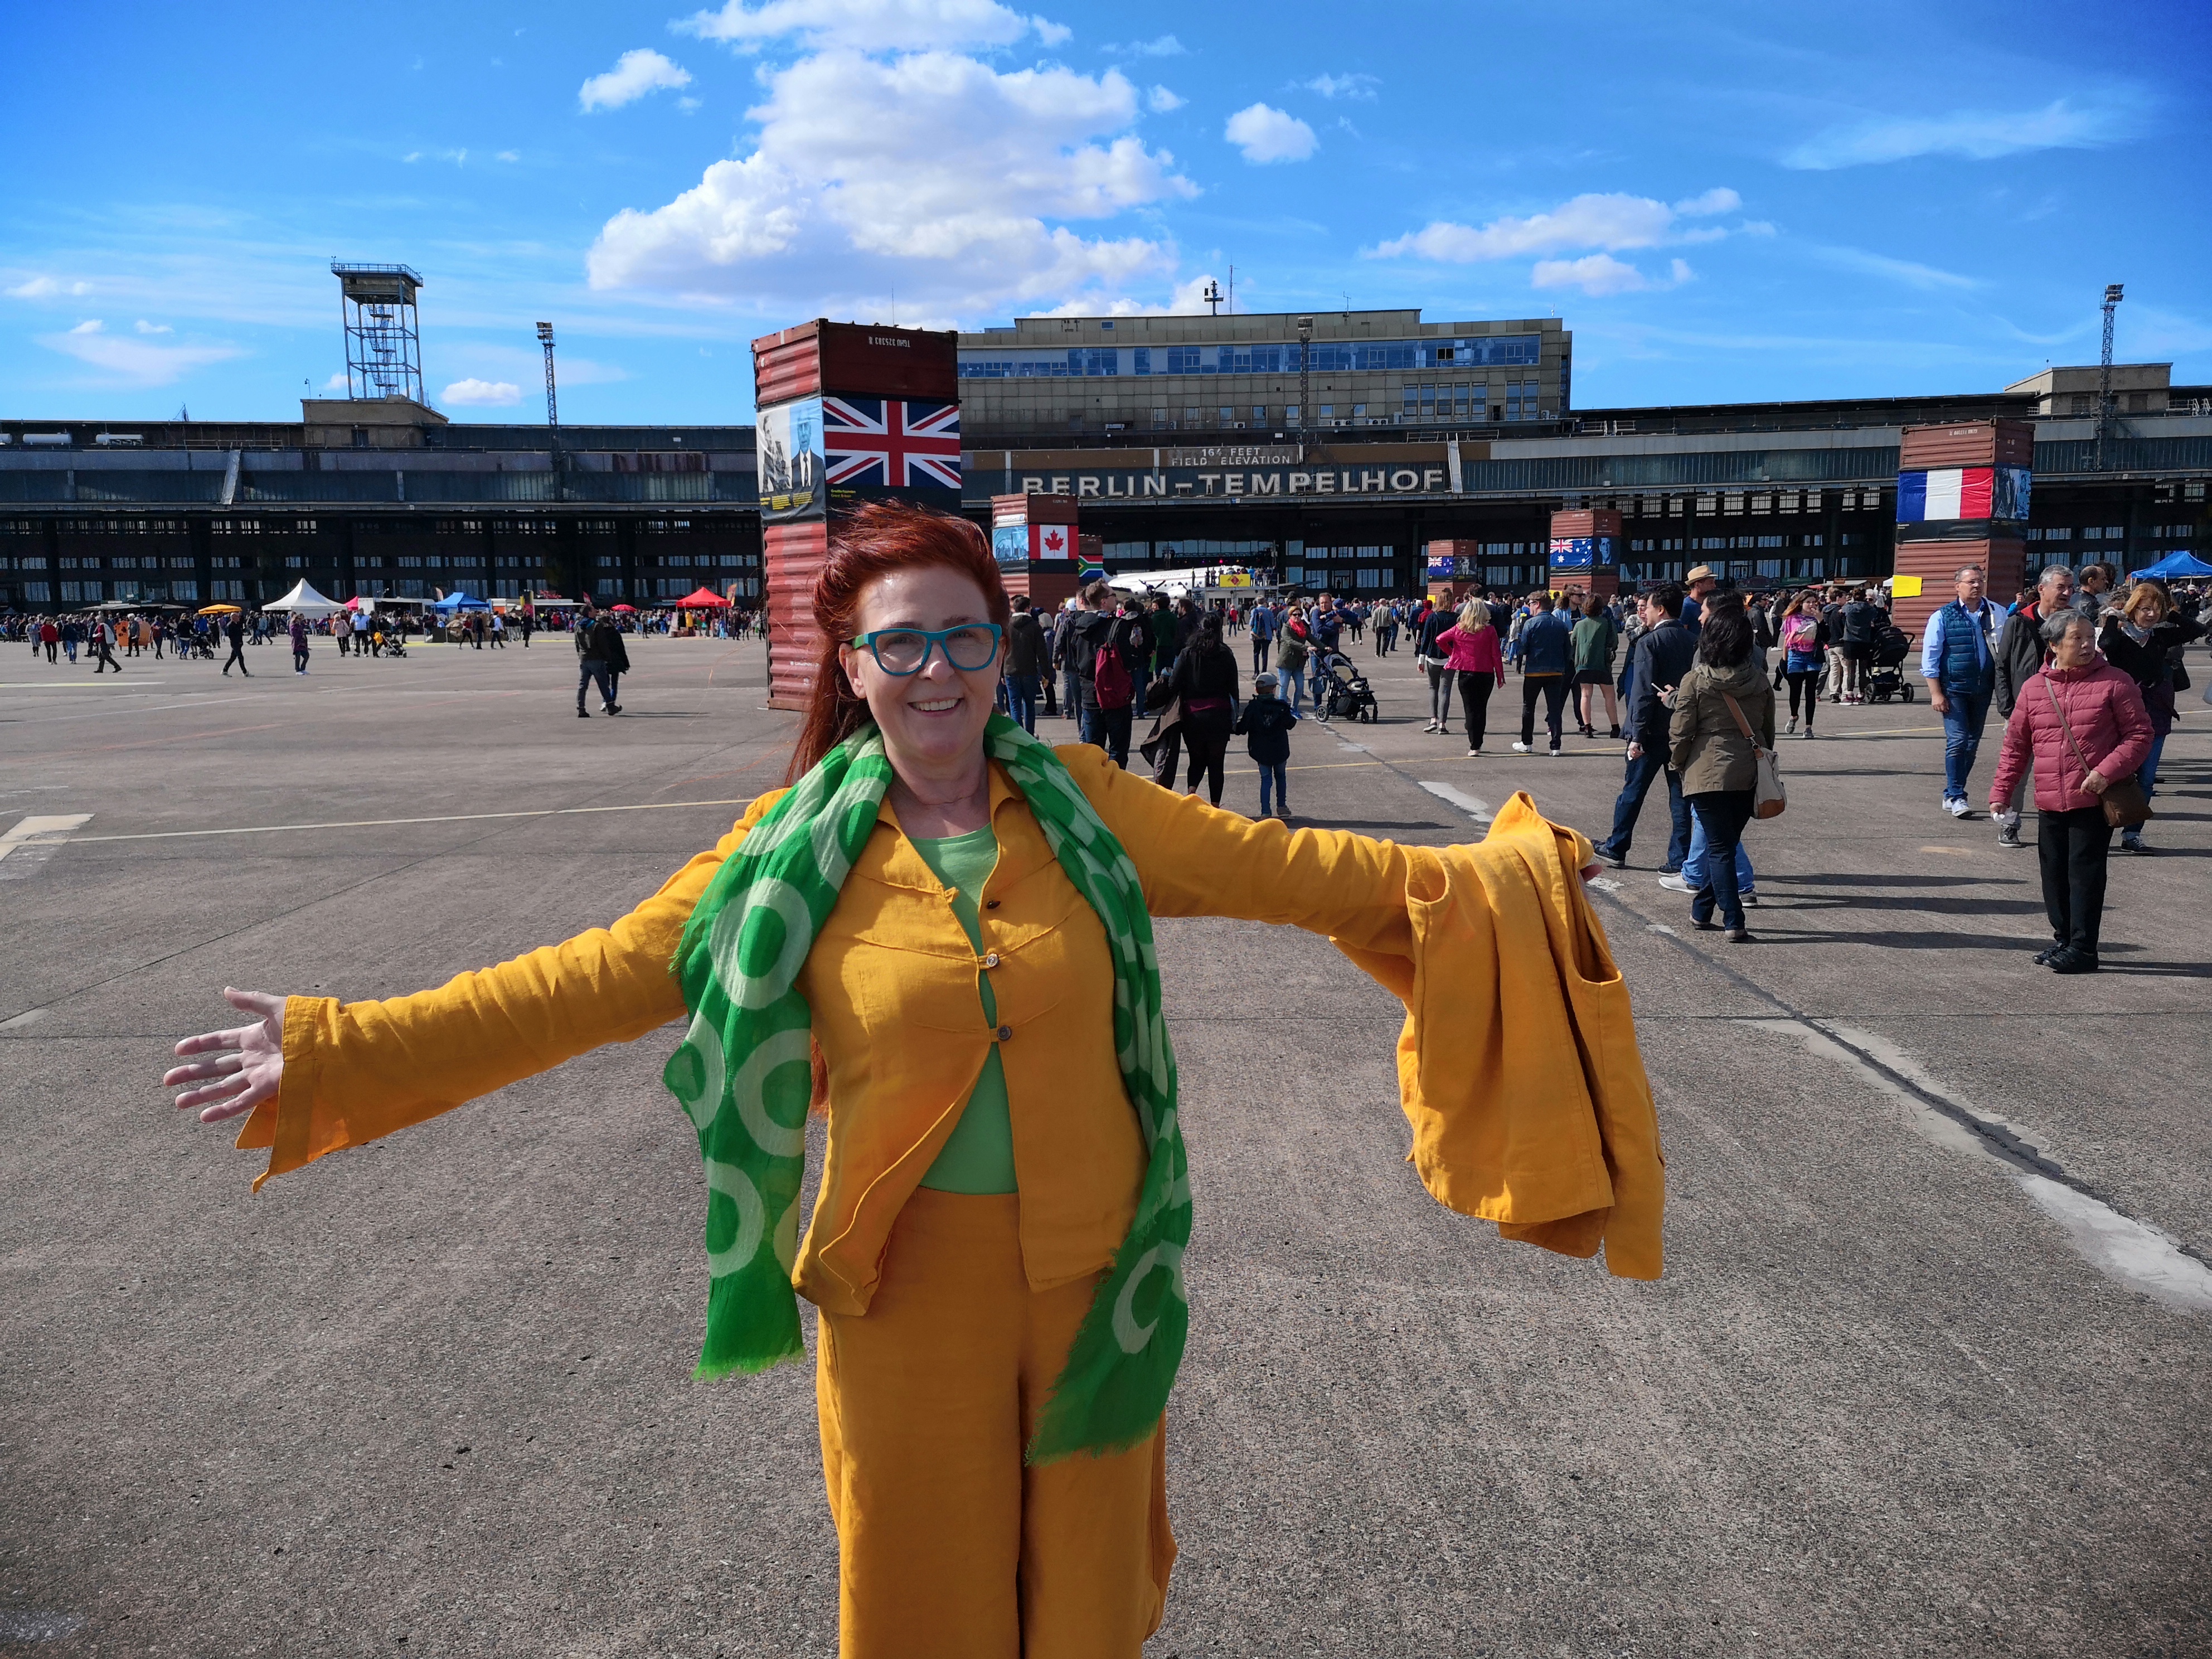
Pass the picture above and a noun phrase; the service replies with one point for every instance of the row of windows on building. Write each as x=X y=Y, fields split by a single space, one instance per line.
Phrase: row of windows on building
x=1321 y=357
x=138 y=525
x=1423 y=405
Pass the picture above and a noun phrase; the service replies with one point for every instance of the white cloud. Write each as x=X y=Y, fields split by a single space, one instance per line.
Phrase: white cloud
x=1978 y=135
x=1051 y=33
x=1188 y=300
x=867 y=25
x=1344 y=86
x=687 y=105
x=932 y=176
x=1907 y=271
x=1609 y=221
x=45 y=287
x=1161 y=101
x=1266 y=134
x=1720 y=199
x=337 y=383
x=634 y=75
x=1166 y=46
x=1601 y=274
x=481 y=394
x=145 y=327
x=139 y=362
x=510 y=156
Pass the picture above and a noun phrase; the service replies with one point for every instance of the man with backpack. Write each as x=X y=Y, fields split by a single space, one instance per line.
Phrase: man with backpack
x=1107 y=647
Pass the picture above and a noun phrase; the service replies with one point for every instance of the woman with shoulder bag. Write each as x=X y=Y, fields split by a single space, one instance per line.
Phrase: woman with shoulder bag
x=1723 y=720
x=1204 y=680
x=2082 y=723
x=2143 y=638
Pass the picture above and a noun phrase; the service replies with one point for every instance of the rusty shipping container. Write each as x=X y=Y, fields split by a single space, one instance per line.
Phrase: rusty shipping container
x=2003 y=562
x=1036 y=507
x=1967 y=443
x=843 y=360
x=1585 y=521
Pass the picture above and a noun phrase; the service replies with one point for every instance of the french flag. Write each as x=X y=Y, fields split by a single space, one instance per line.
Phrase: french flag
x=1957 y=492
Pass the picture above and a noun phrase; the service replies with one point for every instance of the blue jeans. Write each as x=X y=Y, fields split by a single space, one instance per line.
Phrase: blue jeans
x=590 y=671
x=1693 y=867
x=1962 y=738
x=1274 y=787
x=1022 y=690
x=2147 y=775
x=1722 y=814
x=1289 y=686
x=1070 y=693
x=1642 y=772
x=1110 y=729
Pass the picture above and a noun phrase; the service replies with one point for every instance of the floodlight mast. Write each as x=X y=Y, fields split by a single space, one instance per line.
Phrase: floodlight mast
x=1305 y=381
x=552 y=403
x=1212 y=295
x=2112 y=297
x=383 y=329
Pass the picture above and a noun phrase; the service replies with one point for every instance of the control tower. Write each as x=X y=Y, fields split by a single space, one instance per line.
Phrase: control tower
x=383 y=336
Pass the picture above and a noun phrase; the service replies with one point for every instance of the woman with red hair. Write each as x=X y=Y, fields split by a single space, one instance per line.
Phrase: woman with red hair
x=939 y=935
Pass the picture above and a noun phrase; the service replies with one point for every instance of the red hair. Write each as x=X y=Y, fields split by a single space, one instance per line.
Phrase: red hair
x=874 y=540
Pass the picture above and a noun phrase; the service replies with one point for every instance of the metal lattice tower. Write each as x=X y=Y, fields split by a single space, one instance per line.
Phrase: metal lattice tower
x=552 y=404
x=383 y=333
x=2105 y=373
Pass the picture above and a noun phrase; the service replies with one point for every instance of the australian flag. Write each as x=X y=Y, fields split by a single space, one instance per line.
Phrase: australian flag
x=891 y=443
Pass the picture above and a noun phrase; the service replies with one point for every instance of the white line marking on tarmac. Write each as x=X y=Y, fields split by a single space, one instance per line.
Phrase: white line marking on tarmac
x=73 y=685
x=2136 y=1254
x=454 y=818
x=1479 y=811
x=33 y=840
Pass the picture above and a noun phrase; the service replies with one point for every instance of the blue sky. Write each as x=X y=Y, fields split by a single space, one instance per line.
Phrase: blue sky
x=1724 y=202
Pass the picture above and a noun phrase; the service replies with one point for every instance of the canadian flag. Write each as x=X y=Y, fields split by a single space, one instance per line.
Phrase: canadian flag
x=1052 y=541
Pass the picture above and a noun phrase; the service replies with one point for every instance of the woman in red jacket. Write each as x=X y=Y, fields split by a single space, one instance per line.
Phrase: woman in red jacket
x=2082 y=722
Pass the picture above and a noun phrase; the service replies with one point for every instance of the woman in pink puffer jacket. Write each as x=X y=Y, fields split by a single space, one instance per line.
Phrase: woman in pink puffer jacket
x=2103 y=708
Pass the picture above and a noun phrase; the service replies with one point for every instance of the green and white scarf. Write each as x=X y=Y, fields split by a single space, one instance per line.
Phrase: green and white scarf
x=744 y=1076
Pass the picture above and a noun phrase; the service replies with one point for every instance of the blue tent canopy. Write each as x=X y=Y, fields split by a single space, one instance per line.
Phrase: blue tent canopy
x=2177 y=563
x=460 y=602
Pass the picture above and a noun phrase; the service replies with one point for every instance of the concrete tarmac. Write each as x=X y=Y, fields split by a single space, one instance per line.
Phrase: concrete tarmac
x=1927 y=1372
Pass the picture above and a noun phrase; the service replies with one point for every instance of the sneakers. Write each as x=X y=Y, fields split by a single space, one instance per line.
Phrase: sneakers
x=1749 y=898
x=1740 y=936
x=1957 y=807
x=1431 y=727
x=583 y=713
x=1618 y=861
x=2043 y=957
x=1790 y=730
x=1614 y=733
x=1523 y=748
x=2132 y=841
x=1676 y=884
x=1808 y=731
x=1554 y=751
x=1475 y=754
x=2008 y=838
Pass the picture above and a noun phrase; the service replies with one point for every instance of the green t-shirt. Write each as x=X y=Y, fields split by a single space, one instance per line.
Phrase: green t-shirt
x=979 y=1157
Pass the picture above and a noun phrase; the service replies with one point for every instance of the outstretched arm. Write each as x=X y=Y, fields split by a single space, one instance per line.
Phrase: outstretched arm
x=318 y=1075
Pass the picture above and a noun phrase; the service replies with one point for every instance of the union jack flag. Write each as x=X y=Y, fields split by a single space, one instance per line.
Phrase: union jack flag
x=890 y=443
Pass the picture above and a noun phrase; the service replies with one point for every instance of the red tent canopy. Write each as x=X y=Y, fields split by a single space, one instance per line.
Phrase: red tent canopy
x=704 y=599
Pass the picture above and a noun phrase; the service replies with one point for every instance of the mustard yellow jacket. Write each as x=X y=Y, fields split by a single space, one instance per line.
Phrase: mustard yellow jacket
x=1493 y=948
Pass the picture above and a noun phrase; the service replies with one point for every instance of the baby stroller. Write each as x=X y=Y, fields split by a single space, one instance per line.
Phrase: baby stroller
x=1885 y=677
x=1348 y=694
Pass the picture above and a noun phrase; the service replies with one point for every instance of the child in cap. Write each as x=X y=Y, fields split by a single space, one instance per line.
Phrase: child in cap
x=1265 y=722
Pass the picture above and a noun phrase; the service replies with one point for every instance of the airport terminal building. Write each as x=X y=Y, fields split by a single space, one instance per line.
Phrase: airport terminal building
x=1324 y=451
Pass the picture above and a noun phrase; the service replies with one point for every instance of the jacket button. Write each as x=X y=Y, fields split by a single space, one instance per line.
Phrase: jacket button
x=991 y=960
x=1005 y=1034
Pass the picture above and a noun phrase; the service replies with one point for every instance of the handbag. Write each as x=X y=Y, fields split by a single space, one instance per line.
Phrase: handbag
x=2126 y=806
x=1768 y=798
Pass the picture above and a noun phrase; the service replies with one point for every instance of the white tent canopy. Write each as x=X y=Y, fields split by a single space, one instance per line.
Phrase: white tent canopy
x=305 y=600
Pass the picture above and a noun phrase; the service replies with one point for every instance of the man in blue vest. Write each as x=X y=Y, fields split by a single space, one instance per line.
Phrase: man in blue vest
x=1958 y=660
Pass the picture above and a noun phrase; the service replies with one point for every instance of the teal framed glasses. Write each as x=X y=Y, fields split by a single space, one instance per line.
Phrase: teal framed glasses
x=905 y=651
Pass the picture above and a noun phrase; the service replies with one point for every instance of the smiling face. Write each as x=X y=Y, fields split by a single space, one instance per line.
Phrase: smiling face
x=934 y=718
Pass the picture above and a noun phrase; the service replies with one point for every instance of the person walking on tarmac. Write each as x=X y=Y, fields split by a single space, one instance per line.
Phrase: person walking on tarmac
x=1958 y=660
x=2021 y=656
x=103 y=646
x=600 y=655
x=234 y=629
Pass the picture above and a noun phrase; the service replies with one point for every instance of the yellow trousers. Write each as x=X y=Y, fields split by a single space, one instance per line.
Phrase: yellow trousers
x=949 y=1544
